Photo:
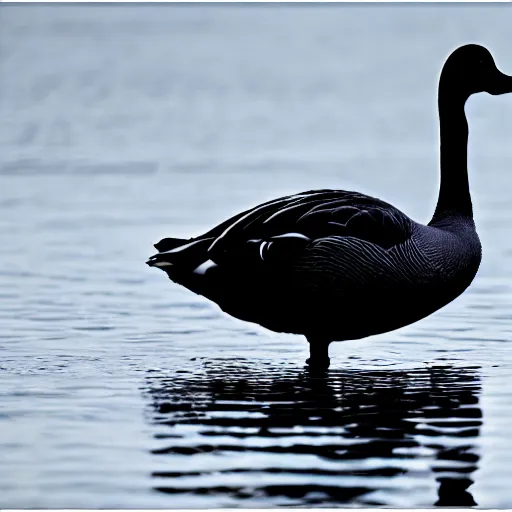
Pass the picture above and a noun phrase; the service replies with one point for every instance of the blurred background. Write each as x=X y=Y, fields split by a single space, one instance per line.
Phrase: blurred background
x=122 y=124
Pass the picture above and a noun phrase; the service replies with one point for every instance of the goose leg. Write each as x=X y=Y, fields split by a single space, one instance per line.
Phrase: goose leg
x=318 y=352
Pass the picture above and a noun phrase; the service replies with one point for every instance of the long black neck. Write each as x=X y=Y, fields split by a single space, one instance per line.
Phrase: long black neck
x=454 y=196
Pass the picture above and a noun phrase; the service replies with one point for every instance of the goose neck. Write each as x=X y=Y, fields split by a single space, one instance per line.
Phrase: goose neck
x=454 y=195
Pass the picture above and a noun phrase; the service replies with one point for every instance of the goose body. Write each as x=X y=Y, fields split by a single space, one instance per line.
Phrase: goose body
x=335 y=265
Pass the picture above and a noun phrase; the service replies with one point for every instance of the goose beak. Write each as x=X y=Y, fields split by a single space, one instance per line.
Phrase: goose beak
x=501 y=84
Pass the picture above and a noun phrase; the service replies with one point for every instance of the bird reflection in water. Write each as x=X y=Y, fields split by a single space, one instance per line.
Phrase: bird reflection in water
x=254 y=435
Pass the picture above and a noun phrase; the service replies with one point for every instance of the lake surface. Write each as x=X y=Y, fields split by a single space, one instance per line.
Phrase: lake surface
x=125 y=124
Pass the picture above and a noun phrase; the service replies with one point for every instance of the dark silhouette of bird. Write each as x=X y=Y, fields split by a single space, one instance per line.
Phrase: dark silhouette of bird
x=335 y=265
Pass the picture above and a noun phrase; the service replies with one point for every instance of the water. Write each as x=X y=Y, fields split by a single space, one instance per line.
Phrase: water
x=124 y=124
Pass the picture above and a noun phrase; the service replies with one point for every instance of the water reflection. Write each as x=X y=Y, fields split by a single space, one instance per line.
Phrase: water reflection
x=282 y=436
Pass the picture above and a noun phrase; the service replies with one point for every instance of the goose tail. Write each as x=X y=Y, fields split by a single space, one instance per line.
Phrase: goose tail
x=185 y=262
x=166 y=244
x=177 y=254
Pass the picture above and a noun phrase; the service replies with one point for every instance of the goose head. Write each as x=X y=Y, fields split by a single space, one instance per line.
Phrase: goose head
x=471 y=69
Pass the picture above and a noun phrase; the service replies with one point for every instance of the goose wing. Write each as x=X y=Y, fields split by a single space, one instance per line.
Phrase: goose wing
x=277 y=231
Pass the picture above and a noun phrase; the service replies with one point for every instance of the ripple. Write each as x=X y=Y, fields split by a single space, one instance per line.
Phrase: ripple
x=369 y=431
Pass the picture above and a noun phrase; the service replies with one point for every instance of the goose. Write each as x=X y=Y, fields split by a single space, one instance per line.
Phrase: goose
x=337 y=265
